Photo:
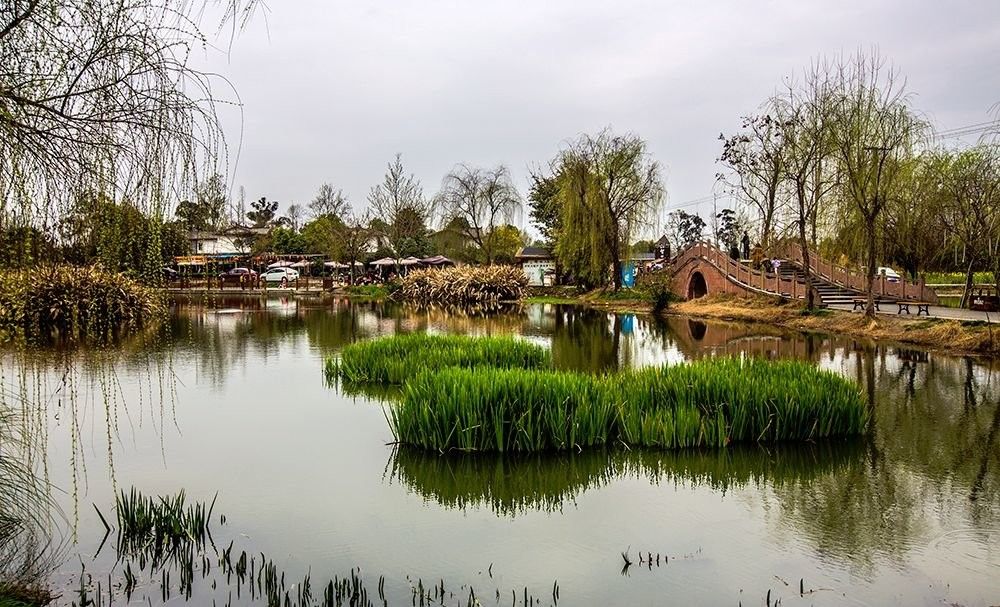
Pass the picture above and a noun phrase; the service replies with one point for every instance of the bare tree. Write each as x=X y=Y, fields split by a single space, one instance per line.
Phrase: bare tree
x=355 y=235
x=485 y=198
x=329 y=201
x=803 y=120
x=294 y=215
x=399 y=204
x=754 y=158
x=873 y=132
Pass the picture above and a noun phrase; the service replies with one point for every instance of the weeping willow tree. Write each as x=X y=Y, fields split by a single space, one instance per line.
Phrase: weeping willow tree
x=606 y=187
x=101 y=97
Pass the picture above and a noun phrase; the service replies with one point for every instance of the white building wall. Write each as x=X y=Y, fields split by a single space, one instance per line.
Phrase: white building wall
x=536 y=272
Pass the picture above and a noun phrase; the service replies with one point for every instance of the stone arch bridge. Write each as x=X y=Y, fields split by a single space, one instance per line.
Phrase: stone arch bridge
x=702 y=269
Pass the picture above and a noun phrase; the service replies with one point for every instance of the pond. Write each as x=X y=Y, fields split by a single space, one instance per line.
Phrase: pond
x=232 y=405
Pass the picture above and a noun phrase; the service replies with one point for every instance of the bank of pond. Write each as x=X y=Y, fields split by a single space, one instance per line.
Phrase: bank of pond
x=500 y=394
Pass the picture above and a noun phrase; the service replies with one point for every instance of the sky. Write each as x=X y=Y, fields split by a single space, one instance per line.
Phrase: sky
x=329 y=91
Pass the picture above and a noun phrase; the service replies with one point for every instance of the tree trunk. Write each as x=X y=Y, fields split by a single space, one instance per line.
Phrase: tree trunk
x=810 y=301
x=617 y=270
x=966 y=294
x=870 y=270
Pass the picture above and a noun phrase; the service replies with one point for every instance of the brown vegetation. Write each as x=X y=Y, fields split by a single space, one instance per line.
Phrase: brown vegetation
x=463 y=285
x=972 y=337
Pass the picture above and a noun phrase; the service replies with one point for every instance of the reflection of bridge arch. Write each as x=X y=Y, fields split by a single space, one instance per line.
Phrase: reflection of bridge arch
x=697 y=286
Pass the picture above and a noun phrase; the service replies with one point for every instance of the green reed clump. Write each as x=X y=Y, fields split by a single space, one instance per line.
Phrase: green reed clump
x=391 y=360
x=160 y=528
x=71 y=302
x=708 y=403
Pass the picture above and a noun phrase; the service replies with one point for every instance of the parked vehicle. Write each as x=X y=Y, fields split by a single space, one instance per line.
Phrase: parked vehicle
x=282 y=275
x=890 y=274
x=170 y=273
x=239 y=272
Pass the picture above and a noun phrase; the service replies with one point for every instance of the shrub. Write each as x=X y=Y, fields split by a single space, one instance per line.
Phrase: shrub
x=709 y=403
x=391 y=360
x=655 y=287
x=74 y=303
x=463 y=285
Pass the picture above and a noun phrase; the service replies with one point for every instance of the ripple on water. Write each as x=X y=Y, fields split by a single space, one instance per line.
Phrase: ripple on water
x=972 y=550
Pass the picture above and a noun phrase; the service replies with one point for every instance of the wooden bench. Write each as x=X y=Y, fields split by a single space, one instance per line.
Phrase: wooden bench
x=861 y=303
x=922 y=307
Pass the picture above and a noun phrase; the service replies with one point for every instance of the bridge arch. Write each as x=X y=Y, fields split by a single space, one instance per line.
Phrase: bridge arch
x=697 y=287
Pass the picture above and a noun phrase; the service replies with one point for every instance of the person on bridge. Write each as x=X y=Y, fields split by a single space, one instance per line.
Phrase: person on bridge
x=746 y=245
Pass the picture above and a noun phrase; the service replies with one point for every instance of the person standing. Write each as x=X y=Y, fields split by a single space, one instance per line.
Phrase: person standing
x=746 y=245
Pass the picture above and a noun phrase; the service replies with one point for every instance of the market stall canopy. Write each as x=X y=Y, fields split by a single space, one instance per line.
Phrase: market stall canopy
x=280 y=264
x=409 y=261
x=336 y=265
x=437 y=260
x=300 y=264
x=385 y=261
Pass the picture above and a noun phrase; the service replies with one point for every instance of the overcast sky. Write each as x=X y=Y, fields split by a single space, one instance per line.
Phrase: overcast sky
x=331 y=90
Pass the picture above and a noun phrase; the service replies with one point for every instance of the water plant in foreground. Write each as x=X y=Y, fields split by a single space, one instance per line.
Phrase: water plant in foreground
x=162 y=528
x=391 y=360
x=706 y=403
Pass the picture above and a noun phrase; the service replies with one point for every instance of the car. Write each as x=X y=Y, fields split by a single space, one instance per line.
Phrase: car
x=170 y=273
x=890 y=274
x=284 y=275
x=239 y=272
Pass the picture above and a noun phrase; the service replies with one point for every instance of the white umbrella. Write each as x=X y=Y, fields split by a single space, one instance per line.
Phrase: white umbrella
x=280 y=264
x=300 y=264
x=385 y=261
x=335 y=264
x=409 y=261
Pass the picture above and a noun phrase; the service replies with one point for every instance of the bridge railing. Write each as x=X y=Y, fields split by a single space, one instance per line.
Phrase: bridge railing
x=742 y=274
x=851 y=279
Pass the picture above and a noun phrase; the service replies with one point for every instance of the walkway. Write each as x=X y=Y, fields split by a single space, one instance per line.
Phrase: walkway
x=942 y=312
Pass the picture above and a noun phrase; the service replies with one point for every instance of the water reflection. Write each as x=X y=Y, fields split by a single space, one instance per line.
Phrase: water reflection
x=550 y=482
x=923 y=488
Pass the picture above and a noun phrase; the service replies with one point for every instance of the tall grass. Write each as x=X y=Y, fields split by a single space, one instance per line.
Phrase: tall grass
x=707 y=403
x=463 y=285
x=71 y=302
x=391 y=360
x=160 y=529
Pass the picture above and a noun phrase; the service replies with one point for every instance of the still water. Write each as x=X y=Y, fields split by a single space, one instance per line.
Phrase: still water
x=232 y=403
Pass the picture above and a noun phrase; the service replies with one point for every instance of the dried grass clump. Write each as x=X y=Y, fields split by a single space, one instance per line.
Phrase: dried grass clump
x=463 y=285
x=69 y=302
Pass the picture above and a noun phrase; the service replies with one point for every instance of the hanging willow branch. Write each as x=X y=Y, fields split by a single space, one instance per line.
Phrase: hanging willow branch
x=101 y=96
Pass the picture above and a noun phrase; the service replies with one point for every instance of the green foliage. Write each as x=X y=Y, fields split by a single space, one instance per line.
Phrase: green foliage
x=285 y=241
x=504 y=242
x=74 y=303
x=391 y=360
x=159 y=529
x=655 y=288
x=119 y=236
x=324 y=235
x=263 y=212
x=208 y=210
x=708 y=403
x=463 y=285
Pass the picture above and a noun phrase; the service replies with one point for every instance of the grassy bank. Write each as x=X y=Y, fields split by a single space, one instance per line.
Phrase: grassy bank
x=391 y=360
x=708 y=403
x=951 y=335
